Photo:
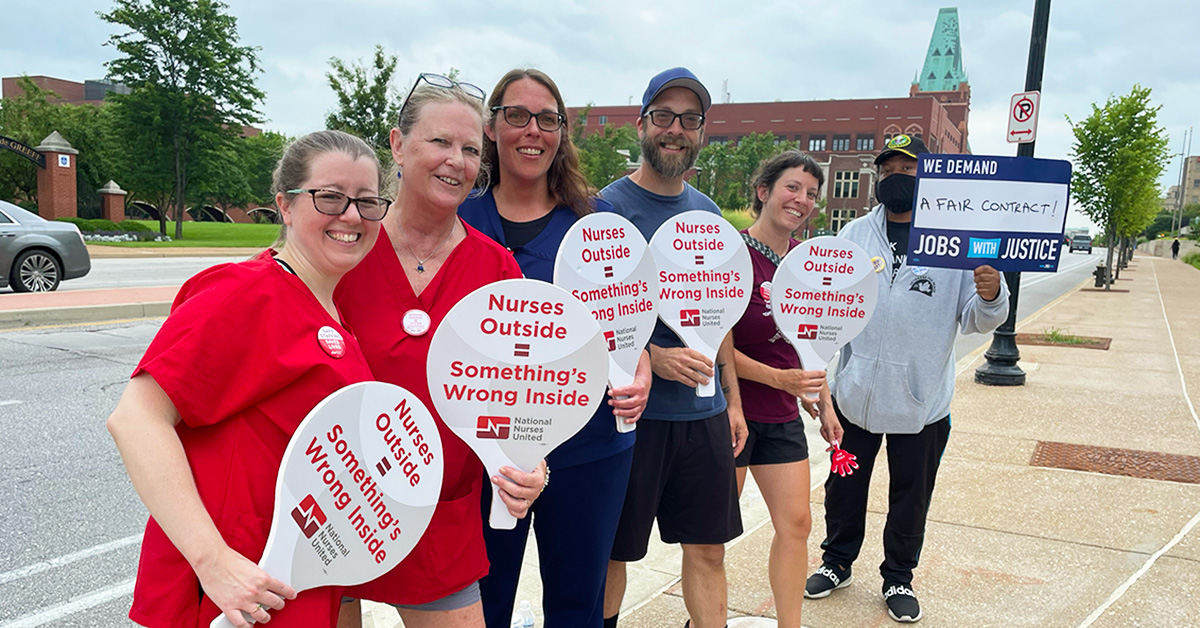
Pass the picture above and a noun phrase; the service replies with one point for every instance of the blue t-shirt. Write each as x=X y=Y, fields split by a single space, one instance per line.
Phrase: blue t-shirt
x=669 y=401
x=599 y=438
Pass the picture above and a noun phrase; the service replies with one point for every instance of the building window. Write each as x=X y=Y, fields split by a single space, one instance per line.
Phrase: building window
x=841 y=142
x=866 y=142
x=718 y=139
x=603 y=120
x=845 y=184
x=582 y=120
x=839 y=218
x=779 y=139
x=1196 y=183
x=816 y=143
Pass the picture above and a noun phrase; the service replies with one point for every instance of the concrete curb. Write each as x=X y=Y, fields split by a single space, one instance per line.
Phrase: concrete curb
x=81 y=314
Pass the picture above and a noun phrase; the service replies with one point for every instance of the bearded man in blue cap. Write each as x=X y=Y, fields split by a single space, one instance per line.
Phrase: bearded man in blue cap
x=683 y=459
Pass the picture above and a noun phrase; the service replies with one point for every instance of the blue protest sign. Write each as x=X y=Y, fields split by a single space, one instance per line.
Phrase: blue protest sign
x=1006 y=212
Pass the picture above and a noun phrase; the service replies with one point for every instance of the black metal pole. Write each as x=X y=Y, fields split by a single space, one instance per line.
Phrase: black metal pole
x=1001 y=368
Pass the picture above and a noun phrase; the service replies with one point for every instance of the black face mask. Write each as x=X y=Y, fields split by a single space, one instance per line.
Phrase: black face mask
x=896 y=192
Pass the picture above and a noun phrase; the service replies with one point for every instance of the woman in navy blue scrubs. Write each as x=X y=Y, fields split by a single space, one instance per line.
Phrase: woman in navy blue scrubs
x=537 y=193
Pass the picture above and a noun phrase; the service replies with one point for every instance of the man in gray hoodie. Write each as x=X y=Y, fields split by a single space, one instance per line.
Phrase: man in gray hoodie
x=896 y=379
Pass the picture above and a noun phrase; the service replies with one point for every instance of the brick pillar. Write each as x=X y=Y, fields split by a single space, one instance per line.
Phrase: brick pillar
x=112 y=202
x=56 y=182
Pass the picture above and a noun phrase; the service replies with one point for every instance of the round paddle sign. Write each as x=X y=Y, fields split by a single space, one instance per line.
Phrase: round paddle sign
x=704 y=277
x=604 y=263
x=357 y=487
x=822 y=296
x=516 y=368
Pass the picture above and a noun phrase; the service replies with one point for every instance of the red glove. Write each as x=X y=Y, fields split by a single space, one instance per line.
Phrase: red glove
x=841 y=461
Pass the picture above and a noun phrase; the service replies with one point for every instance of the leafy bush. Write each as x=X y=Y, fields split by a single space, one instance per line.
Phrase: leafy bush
x=134 y=226
x=99 y=224
x=1192 y=258
x=78 y=222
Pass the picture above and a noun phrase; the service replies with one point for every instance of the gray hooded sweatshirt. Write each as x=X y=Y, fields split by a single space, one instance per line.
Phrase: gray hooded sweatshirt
x=897 y=376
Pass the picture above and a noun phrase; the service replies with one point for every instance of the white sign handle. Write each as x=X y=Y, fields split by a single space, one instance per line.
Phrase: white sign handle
x=500 y=518
x=223 y=622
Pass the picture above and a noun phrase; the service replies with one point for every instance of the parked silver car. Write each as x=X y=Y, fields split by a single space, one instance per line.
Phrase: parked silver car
x=36 y=254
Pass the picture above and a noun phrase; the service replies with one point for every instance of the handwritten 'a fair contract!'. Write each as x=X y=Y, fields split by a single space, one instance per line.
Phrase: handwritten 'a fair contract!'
x=603 y=261
x=705 y=278
x=1006 y=212
x=516 y=368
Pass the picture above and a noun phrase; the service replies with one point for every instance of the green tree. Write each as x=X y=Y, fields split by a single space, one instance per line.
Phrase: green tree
x=187 y=71
x=367 y=103
x=29 y=118
x=726 y=170
x=1119 y=153
x=605 y=154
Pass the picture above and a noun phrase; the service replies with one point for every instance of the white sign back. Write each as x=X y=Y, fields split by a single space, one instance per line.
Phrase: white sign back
x=822 y=296
x=1023 y=117
x=705 y=278
x=515 y=369
x=357 y=487
x=603 y=261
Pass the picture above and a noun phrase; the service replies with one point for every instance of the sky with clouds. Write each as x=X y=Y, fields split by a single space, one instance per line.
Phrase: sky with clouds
x=604 y=53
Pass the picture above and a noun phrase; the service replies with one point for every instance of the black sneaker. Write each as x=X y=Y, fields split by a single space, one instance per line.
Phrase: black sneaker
x=827 y=579
x=902 y=603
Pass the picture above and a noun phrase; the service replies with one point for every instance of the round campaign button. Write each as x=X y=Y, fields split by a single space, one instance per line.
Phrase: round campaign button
x=920 y=270
x=878 y=264
x=415 y=322
x=764 y=289
x=331 y=341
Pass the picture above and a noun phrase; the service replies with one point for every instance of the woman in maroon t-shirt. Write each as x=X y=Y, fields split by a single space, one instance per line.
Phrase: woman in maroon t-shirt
x=770 y=377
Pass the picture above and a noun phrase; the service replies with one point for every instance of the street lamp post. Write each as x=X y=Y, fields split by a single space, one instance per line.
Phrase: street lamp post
x=1002 y=356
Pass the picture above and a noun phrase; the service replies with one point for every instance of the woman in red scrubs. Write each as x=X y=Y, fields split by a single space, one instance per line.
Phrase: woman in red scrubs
x=248 y=350
x=425 y=261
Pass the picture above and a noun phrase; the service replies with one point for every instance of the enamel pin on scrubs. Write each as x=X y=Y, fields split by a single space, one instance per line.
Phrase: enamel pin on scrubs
x=415 y=322
x=331 y=341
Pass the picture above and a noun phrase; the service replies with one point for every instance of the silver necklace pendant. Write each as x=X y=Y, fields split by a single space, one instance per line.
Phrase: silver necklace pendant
x=420 y=268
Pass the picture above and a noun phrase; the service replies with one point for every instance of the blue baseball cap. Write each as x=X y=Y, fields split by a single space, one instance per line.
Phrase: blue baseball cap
x=675 y=77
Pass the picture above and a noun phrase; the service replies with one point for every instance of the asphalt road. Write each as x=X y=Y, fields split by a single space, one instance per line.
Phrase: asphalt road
x=71 y=521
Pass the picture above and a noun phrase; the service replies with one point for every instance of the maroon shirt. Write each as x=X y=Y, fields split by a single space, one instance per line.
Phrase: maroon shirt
x=757 y=336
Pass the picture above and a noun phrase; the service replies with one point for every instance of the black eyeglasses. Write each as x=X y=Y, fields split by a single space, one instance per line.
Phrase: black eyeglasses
x=437 y=80
x=663 y=118
x=520 y=117
x=334 y=203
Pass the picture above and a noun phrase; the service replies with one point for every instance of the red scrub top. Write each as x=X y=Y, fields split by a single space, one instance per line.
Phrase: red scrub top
x=239 y=358
x=373 y=298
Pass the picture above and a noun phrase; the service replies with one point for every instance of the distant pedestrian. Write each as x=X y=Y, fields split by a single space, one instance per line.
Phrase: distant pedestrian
x=1175 y=249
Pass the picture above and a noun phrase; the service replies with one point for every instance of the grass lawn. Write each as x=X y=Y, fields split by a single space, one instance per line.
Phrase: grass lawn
x=215 y=234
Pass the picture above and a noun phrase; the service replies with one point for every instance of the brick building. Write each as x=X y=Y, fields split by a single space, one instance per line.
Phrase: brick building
x=846 y=135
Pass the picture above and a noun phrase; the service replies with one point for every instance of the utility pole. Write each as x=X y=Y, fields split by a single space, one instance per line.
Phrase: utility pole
x=1001 y=368
x=1177 y=219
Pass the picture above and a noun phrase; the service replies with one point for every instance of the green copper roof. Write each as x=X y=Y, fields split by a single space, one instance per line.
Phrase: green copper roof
x=943 y=69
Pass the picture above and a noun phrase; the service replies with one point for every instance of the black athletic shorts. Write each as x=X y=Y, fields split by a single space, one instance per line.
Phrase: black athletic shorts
x=774 y=443
x=682 y=474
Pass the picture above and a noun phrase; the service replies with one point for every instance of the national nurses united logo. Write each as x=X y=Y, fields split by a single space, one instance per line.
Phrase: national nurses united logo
x=309 y=516
x=689 y=318
x=493 y=427
x=611 y=338
x=807 y=332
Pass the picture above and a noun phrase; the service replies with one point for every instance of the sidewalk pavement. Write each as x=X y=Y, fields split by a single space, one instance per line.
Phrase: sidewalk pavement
x=1009 y=542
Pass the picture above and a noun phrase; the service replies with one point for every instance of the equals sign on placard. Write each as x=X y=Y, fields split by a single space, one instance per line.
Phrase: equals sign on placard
x=608 y=272
x=521 y=349
x=699 y=259
x=826 y=281
x=384 y=465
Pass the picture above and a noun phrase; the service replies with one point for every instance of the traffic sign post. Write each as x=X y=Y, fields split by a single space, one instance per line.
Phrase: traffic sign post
x=1023 y=117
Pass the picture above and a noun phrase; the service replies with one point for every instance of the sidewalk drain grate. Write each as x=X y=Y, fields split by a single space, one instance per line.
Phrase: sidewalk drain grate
x=1132 y=463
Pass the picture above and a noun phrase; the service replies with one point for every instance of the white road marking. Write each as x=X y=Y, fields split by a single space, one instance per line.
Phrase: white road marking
x=1187 y=528
x=37 y=568
x=77 y=605
x=9 y=402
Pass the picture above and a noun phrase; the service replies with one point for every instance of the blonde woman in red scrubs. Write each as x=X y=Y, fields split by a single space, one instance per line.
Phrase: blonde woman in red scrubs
x=246 y=353
x=425 y=261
